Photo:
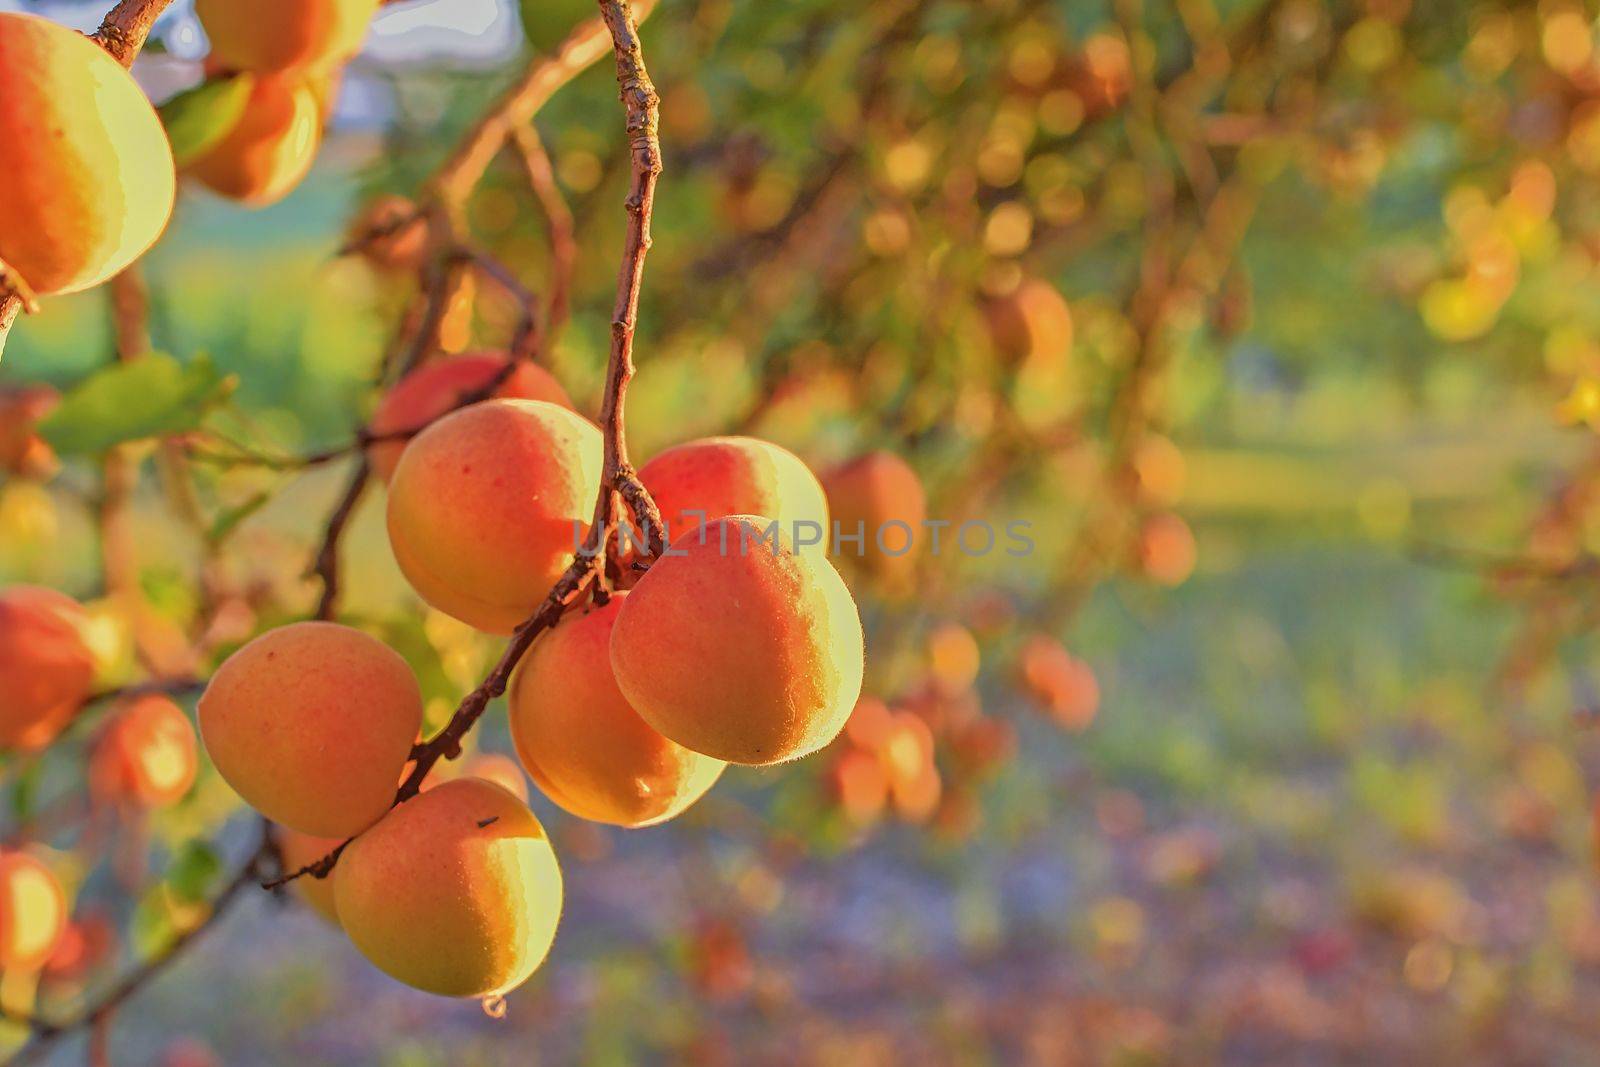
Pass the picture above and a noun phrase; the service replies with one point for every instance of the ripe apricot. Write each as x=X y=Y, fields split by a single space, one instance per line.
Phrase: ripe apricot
x=272 y=146
x=487 y=505
x=739 y=651
x=1032 y=323
x=145 y=756
x=502 y=770
x=717 y=476
x=1062 y=684
x=311 y=724
x=456 y=892
x=437 y=388
x=33 y=911
x=301 y=850
x=879 y=495
x=86 y=174
x=46 y=668
x=1166 y=550
x=582 y=742
x=273 y=35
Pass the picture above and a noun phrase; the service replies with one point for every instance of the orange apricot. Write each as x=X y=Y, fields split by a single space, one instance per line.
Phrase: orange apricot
x=146 y=754
x=717 y=476
x=46 y=668
x=488 y=504
x=301 y=850
x=1032 y=323
x=859 y=785
x=582 y=742
x=273 y=35
x=86 y=174
x=953 y=658
x=270 y=149
x=740 y=648
x=879 y=496
x=1061 y=683
x=33 y=912
x=456 y=891
x=1160 y=469
x=437 y=388
x=1166 y=550
x=312 y=724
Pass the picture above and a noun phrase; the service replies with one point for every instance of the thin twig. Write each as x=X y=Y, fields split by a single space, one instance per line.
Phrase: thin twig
x=560 y=225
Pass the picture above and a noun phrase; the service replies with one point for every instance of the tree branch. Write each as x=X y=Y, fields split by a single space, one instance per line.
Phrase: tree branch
x=126 y=27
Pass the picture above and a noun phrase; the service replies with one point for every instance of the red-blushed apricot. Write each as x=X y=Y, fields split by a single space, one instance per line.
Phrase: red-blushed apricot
x=717 y=476
x=488 y=505
x=85 y=943
x=1166 y=550
x=33 y=912
x=86 y=174
x=437 y=388
x=389 y=234
x=301 y=850
x=273 y=35
x=859 y=785
x=1062 y=684
x=456 y=891
x=879 y=496
x=22 y=451
x=46 y=668
x=581 y=741
x=271 y=148
x=738 y=648
x=145 y=756
x=311 y=724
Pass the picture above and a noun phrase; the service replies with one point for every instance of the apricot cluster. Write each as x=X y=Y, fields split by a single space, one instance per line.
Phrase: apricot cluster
x=86 y=175
x=286 y=56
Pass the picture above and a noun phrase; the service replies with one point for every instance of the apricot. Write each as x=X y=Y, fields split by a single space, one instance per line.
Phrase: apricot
x=46 y=668
x=146 y=754
x=456 y=892
x=274 y=35
x=86 y=174
x=584 y=745
x=1166 y=549
x=437 y=388
x=270 y=149
x=301 y=850
x=33 y=912
x=739 y=649
x=718 y=476
x=880 y=495
x=859 y=785
x=1032 y=323
x=488 y=504
x=311 y=724
x=84 y=944
x=1061 y=683
x=503 y=771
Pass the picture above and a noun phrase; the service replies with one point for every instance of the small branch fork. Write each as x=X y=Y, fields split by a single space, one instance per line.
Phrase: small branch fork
x=618 y=480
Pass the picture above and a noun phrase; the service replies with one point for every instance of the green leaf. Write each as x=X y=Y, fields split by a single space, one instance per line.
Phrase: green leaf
x=194 y=871
x=546 y=23
x=148 y=397
x=228 y=518
x=197 y=119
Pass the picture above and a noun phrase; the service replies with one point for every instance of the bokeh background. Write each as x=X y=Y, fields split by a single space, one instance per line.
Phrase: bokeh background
x=1279 y=322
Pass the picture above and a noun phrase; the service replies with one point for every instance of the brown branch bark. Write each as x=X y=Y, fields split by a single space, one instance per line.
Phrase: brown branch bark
x=618 y=478
x=560 y=227
x=127 y=26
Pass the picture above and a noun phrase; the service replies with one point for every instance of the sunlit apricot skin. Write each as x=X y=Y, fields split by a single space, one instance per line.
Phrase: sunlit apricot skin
x=879 y=495
x=86 y=174
x=46 y=668
x=717 y=476
x=271 y=149
x=145 y=756
x=437 y=388
x=741 y=653
x=300 y=851
x=487 y=505
x=582 y=743
x=456 y=892
x=274 y=35
x=33 y=912
x=312 y=724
